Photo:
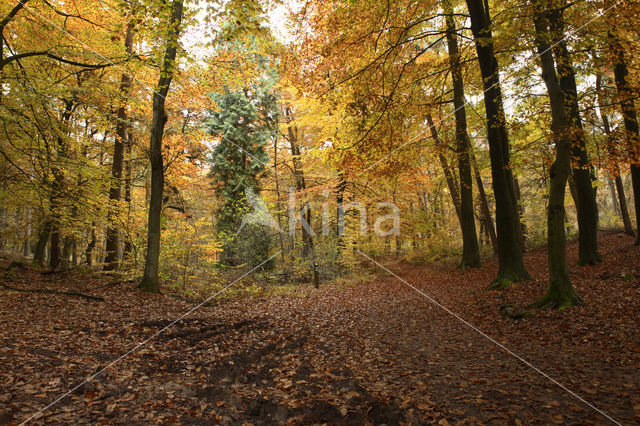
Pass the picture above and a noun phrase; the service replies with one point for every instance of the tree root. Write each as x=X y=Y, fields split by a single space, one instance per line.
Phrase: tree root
x=515 y=314
x=551 y=301
x=49 y=291
x=499 y=284
x=506 y=278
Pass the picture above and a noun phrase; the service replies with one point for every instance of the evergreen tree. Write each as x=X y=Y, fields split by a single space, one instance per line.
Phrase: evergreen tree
x=245 y=124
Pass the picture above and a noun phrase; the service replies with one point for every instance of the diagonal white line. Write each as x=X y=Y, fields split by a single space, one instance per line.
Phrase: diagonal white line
x=145 y=341
x=491 y=339
x=124 y=70
x=534 y=57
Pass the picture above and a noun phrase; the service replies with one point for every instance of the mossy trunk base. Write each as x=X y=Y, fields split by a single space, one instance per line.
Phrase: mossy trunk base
x=559 y=297
x=508 y=277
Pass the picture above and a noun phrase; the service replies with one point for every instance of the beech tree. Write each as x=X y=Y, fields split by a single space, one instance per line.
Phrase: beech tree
x=560 y=292
x=150 y=280
x=470 y=248
x=511 y=267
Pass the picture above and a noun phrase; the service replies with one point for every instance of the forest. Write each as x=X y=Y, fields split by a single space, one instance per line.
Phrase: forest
x=319 y=212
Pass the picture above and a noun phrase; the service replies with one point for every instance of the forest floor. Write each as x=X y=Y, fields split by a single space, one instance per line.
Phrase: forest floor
x=378 y=352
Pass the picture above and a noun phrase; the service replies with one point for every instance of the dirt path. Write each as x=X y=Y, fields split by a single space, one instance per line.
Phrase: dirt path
x=378 y=352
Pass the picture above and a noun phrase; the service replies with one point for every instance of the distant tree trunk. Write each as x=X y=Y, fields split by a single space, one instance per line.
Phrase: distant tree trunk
x=450 y=178
x=630 y=118
x=620 y=204
x=128 y=244
x=113 y=237
x=560 y=292
x=279 y=199
x=308 y=248
x=470 y=247
x=26 y=250
x=305 y=213
x=91 y=245
x=41 y=244
x=340 y=188
x=54 y=255
x=522 y=228
x=67 y=248
x=511 y=266
x=57 y=189
x=74 y=252
x=150 y=280
x=484 y=204
x=614 y=197
x=582 y=171
x=54 y=248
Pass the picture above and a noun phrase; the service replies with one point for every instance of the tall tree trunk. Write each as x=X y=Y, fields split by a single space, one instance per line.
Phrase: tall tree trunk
x=128 y=244
x=57 y=188
x=522 y=229
x=26 y=250
x=150 y=280
x=113 y=238
x=560 y=292
x=91 y=245
x=305 y=213
x=279 y=200
x=470 y=247
x=620 y=204
x=41 y=244
x=614 y=198
x=630 y=118
x=308 y=248
x=55 y=255
x=67 y=248
x=484 y=203
x=581 y=168
x=340 y=188
x=450 y=178
x=511 y=266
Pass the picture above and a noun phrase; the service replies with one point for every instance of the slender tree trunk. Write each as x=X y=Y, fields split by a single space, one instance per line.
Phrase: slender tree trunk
x=57 y=189
x=340 y=188
x=278 y=198
x=67 y=248
x=308 y=248
x=522 y=229
x=620 y=203
x=614 y=198
x=305 y=213
x=450 y=178
x=128 y=244
x=470 y=247
x=582 y=171
x=150 y=280
x=91 y=245
x=630 y=118
x=113 y=237
x=484 y=203
x=55 y=256
x=26 y=250
x=511 y=266
x=560 y=292
x=74 y=252
x=624 y=210
x=41 y=244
